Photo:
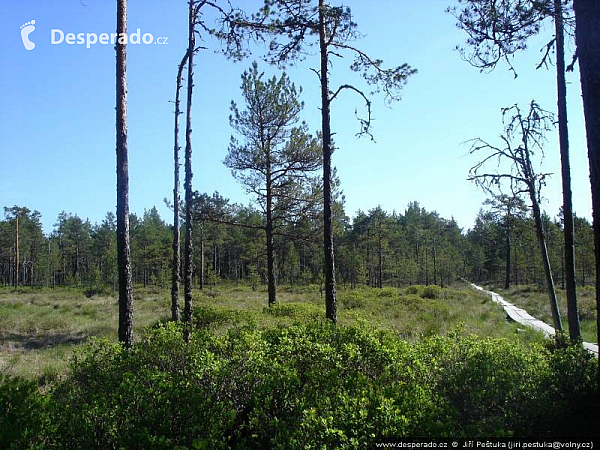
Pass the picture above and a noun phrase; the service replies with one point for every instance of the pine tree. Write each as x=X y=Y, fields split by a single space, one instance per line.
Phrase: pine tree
x=276 y=157
x=123 y=250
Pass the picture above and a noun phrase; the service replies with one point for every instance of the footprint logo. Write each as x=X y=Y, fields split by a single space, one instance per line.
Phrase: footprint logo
x=26 y=30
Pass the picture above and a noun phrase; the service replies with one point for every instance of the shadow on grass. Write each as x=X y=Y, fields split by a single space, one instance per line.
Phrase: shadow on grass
x=18 y=341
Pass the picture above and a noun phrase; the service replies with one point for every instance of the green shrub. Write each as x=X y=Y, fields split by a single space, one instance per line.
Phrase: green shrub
x=103 y=291
x=352 y=299
x=586 y=299
x=572 y=390
x=413 y=290
x=432 y=291
x=206 y=316
x=160 y=394
x=483 y=380
x=304 y=311
x=22 y=412
x=387 y=292
x=312 y=385
x=499 y=388
x=249 y=389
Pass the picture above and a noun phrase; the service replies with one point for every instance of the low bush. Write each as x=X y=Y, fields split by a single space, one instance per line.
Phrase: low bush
x=586 y=298
x=22 y=412
x=309 y=385
x=387 y=292
x=413 y=290
x=291 y=387
x=431 y=291
x=209 y=317
x=353 y=299
x=301 y=311
x=98 y=291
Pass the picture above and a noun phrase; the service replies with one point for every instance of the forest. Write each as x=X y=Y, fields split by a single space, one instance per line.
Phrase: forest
x=290 y=322
x=376 y=248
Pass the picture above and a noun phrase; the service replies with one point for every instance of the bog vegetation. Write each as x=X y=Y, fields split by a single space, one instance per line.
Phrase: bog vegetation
x=420 y=360
x=371 y=336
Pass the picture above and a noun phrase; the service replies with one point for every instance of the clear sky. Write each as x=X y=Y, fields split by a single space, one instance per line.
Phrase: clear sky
x=57 y=132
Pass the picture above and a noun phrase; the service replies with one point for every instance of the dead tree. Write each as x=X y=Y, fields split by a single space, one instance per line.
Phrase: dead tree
x=195 y=21
x=497 y=31
x=189 y=220
x=176 y=270
x=523 y=138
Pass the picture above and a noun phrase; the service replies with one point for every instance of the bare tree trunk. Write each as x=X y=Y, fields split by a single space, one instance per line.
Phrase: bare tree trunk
x=370 y=277
x=379 y=258
x=176 y=270
x=507 y=277
x=516 y=269
x=202 y=263
x=330 y=290
x=16 y=268
x=537 y=216
x=562 y=267
x=434 y=254
x=587 y=37
x=49 y=265
x=573 y=312
x=123 y=250
x=426 y=268
x=187 y=260
x=269 y=231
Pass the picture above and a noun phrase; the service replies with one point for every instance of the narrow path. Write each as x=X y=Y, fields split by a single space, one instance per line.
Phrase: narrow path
x=521 y=316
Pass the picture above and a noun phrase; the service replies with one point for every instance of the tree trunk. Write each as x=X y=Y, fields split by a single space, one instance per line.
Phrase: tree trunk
x=49 y=266
x=123 y=250
x=587 y=37
x=562 y=267
x=573 y=313
x=370 y=281
x=516 y=269
x=426 y=268
x=269 y=231
x=507 y=277
x=330 y=294
x=16 y=268
x=537 y=216
x=434 y=254
x=380 y=259
x=189 y=223
x=176 y=269
x=202 y=263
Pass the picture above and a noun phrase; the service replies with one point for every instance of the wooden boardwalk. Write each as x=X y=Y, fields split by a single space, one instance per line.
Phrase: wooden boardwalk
x=521 y=316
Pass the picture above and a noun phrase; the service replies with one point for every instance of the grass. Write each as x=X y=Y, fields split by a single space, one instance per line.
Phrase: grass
x=40 y=328
x=535 y=301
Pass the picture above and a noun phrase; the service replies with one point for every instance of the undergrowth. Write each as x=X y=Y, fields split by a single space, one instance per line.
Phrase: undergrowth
x=310 y=385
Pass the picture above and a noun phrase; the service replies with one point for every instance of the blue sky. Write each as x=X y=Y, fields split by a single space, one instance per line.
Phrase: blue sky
x=57 y=135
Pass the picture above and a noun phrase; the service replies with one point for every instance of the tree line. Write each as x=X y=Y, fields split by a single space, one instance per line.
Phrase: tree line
x=376 y=248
